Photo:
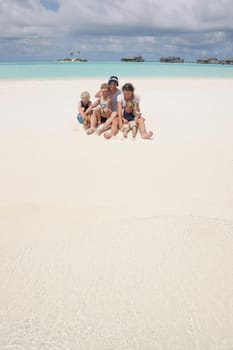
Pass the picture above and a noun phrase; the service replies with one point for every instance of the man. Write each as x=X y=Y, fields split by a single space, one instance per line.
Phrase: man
x=111 y=122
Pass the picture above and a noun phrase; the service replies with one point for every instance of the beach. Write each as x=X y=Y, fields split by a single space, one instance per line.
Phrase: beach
x=116 y=244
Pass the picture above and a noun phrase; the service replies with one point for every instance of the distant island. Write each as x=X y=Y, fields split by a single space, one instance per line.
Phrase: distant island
x=171 y=59
x=133 y=59
x=72 y=58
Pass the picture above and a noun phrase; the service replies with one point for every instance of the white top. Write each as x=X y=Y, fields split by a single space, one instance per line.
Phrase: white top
x=103 y=102
x=121 y=99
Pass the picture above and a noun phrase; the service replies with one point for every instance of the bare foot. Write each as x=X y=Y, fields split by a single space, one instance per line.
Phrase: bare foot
x=100 y=131
x=91 y=131
x=134 y=132
x=147 y=135
x=108 y=135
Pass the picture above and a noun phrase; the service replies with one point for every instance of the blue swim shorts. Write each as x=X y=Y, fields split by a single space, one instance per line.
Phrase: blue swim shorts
x=80 y=119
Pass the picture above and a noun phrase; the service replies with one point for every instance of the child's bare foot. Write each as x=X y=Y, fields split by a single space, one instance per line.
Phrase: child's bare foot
x=91 y=131
x=147 y=135
x=134 y=132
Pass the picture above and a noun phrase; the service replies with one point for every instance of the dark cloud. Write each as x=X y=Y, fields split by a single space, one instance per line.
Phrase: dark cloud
x=152 y=27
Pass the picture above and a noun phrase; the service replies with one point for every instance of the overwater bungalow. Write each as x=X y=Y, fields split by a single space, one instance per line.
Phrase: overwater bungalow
x=208 y=60
x=133 y=59
x=171 y=59
x=226 y=61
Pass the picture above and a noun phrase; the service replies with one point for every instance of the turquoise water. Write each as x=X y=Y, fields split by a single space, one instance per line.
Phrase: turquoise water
x=43 y=70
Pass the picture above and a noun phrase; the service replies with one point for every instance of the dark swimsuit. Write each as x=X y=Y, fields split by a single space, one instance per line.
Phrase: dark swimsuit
x=85 y=107
x=103 y=120
x=129 y=116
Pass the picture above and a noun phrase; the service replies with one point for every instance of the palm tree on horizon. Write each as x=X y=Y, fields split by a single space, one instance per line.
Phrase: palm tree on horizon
x=71 y=54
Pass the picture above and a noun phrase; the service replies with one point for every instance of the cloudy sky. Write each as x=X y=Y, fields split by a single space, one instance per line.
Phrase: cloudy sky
x=106 y=29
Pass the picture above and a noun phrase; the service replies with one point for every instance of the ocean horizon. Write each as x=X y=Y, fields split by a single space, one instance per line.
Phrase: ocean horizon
x=75 y=70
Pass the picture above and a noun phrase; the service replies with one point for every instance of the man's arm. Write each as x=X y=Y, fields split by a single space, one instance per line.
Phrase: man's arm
x=98 y=94
x=109 y=102
x=119 y=112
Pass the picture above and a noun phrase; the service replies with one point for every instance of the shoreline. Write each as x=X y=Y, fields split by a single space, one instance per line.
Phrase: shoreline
x=121 y=78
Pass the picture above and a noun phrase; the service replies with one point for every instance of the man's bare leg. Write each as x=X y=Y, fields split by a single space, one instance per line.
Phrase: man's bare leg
x=142 y=129
x=114 y=129
x=108 y=123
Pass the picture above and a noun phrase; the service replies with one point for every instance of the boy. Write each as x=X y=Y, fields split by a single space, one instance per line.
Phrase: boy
x=103 y=111
x=83 y=110
x=129 y=120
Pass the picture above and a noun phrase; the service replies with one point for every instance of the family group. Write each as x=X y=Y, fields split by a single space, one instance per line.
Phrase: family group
x=114 y=110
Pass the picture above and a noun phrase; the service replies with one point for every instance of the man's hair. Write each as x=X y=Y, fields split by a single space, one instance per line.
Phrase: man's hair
x=104 y=86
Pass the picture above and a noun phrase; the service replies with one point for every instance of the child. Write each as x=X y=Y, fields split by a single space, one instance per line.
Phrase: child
x=84 y=111
x=102 y=111
x=129 y=119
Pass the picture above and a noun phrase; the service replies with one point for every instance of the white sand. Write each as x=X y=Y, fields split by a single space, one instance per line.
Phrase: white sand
x=116 y=244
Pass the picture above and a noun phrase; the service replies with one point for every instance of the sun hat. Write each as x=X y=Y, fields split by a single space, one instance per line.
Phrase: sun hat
x=113 y=79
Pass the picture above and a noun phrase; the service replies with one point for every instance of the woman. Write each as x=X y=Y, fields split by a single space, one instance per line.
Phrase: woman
x=126 y=96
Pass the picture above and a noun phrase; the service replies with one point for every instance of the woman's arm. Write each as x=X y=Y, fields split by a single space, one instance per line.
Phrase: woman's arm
x=138 y=113
x=137 y=107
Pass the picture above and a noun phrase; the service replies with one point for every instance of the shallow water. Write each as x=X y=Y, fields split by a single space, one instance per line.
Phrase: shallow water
x=46 y=70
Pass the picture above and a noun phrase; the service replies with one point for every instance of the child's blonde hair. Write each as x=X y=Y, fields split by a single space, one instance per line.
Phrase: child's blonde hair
x=129 y=104
x=104 y=86
x=85 y=96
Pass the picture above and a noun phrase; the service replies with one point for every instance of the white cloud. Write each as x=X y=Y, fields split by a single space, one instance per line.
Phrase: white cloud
x=176 y=26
